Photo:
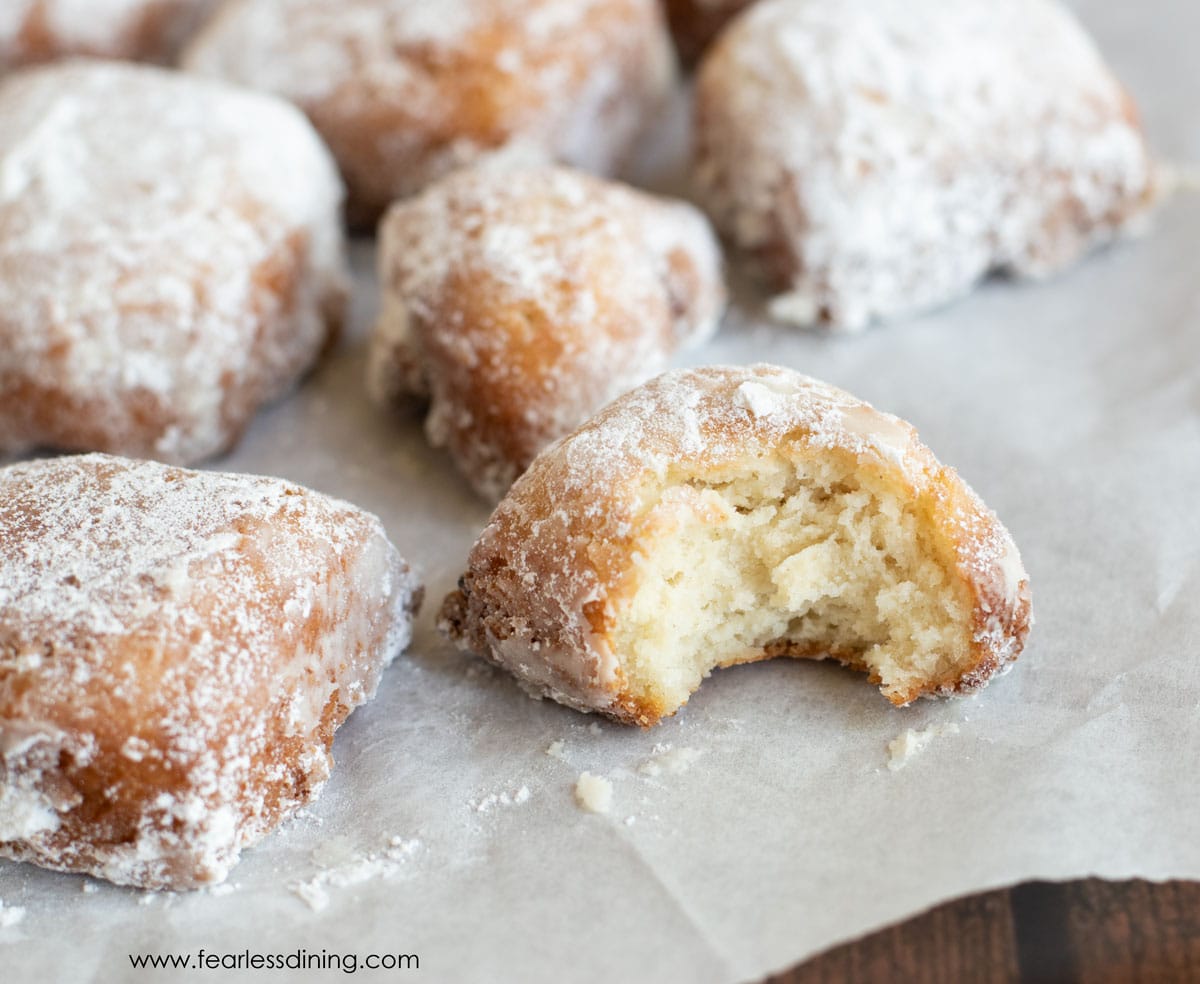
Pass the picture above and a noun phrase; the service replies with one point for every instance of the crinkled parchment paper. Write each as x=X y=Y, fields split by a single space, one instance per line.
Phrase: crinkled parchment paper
x=767 y=825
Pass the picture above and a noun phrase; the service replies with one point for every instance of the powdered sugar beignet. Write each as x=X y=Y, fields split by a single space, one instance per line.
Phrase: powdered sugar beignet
x=405 y=91
x=725 y=515
x=519 y=300
x=171 y=258
x=176 y=651
x=874 y=158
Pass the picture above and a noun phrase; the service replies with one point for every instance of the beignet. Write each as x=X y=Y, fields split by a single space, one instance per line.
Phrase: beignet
x=405 y=91
x=520 y=300
x=177 y=649
x=726 y=515
x=875 y=158
x=171 y=258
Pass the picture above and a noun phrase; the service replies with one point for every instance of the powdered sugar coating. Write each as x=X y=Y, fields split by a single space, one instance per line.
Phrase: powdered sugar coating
x=176 y=651
x=877 y=157
x=143 y=30
x=521 y=299
x=406 y=90
x=171 y=257
x=536 y=593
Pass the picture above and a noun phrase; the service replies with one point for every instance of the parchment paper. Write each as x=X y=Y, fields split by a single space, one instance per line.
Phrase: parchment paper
x=1073 y=407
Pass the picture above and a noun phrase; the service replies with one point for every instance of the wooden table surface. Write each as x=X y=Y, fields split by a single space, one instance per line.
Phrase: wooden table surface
x=1081 y=932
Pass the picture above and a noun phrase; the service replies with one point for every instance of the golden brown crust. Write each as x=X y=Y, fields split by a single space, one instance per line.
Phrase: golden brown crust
x=176 y=651
x=548 y=573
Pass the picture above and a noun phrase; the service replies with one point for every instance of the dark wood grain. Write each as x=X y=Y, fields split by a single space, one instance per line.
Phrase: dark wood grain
x=1082 y=932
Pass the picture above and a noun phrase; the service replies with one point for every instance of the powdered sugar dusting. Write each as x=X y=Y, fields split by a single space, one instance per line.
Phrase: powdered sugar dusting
x=505 y=798
x=686 y=415
x=909 y=743
x=522 y=299
x=170 y=257
x=879 y=156
x=199 y=638
x=760 y=399
x=667 y=760
x=341 y=866
x=10 y=915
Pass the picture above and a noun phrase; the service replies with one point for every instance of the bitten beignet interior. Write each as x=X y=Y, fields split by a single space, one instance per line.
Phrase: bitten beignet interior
x=801 y=558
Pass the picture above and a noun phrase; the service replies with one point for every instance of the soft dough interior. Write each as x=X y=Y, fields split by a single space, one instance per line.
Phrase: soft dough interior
x=815 y=558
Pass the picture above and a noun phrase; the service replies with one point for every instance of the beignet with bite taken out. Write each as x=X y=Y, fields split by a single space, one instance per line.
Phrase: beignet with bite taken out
x=726 y=515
